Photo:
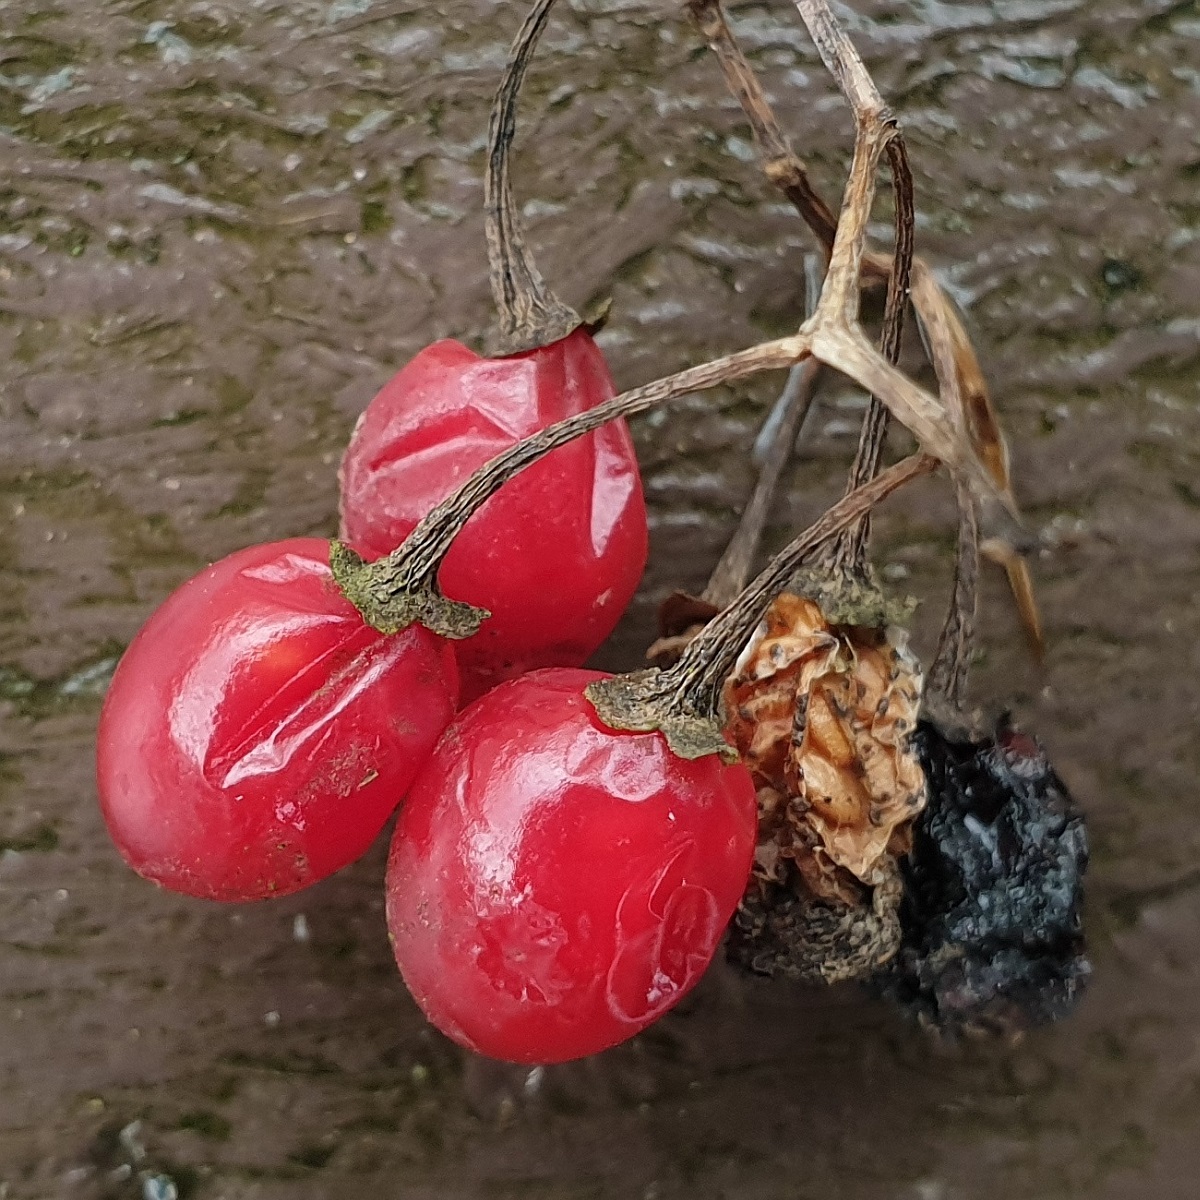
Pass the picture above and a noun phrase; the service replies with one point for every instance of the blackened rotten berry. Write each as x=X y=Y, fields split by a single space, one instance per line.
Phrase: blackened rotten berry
x=992 y=935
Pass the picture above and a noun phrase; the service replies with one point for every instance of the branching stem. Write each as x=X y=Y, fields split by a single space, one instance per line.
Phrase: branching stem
x=682 y=701
x=966 y=403
x=401 y=588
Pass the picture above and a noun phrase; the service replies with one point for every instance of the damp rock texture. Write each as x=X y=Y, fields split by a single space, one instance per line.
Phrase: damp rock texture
x=992 y=938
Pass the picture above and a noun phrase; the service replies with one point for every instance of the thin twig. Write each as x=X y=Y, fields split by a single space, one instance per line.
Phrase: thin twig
x=784 y=169
x=848 y=554
x=814 y=273
x=947 y=678
x=872 y=115
x=946 y=681
x=973 y=411
x=835 y=337
x=842 y=62
x=780 y=163
x=731 y=572
x=779 y=434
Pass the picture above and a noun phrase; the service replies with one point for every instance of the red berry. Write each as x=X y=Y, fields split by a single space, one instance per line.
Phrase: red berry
x=556 y=555
x=555 y=886
x=257 y=734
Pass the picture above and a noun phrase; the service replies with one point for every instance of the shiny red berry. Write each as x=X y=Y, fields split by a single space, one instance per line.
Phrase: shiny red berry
x=257 y=734
x=556 y=555
x=555 y=886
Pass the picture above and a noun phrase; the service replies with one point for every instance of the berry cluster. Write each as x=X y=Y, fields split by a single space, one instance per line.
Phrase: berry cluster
x=571 y=846
x=554 y=885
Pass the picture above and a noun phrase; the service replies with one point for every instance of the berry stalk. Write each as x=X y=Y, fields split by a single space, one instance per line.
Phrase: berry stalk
x=682 y=701
x=395 y=591
x=531 y=315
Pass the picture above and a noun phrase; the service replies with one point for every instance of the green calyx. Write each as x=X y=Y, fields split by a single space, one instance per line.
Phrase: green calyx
x=645 y=702
x=390 y=602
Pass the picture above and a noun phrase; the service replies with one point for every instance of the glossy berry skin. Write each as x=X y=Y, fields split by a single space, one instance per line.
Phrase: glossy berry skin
x=556 y=555
x=257 y=734
x=554 y=886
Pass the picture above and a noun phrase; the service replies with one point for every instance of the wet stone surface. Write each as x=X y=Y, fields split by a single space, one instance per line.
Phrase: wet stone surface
x=222 y=226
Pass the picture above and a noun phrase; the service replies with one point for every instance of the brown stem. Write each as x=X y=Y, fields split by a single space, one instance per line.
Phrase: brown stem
x=965 y=395
x=781 y=165
x=900 y=276
x=682 y=701
x=530 y=313
x=774 y=446
x=838 y=341
x=836 y=337
x=982 y=427
x=787 y=171
x=839 y=302
x=849 y=351
x=946 y=683
x=731 y=572
x=841 y=60
x=848 y=554
x=400 y=588
x=814 y=274
x=784 y=169
x=875 y=120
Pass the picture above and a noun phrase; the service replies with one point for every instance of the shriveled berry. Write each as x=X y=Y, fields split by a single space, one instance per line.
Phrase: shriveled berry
x=993 y=933
x=257 y=734
x=556 y=555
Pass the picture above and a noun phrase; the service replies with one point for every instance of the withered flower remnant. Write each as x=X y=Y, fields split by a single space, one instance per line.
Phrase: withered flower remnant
x=822 y=715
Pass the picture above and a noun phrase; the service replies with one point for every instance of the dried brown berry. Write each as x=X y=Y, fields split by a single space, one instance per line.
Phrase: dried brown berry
x=822 y=715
